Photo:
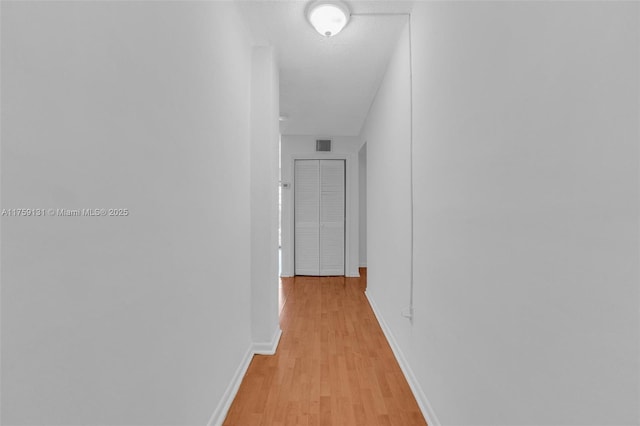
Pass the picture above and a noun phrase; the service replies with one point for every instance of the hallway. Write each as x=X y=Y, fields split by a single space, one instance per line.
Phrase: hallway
x=144 y=145
x=333 y=365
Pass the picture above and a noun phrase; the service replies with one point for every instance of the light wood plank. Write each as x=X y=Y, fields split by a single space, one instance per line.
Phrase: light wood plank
x=333 y=365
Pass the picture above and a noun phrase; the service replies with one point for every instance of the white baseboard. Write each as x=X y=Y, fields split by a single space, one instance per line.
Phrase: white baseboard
x=220 y=413
x=421 y=398
x=266 y=348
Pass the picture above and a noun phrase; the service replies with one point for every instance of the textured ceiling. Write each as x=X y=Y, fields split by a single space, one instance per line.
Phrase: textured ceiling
x=326 y=84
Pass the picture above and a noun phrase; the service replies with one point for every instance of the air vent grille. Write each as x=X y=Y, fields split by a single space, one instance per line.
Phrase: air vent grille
x=323 y=145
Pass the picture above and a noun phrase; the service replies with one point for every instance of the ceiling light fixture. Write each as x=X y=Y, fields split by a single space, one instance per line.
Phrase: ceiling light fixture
x=328 y=17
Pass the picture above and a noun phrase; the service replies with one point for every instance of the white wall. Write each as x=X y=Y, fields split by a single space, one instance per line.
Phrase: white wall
x=140 y=105
x=300 y=147
x=265 y=135
x=526 y=210
x=362 y=204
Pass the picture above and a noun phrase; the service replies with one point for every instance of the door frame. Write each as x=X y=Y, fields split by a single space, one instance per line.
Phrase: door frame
x=351 y=212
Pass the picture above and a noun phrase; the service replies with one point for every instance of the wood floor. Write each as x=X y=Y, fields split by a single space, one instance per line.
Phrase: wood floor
x=333 y=365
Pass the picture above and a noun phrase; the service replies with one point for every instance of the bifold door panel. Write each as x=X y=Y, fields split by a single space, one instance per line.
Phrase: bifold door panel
x=307 y=217
x=319 y=217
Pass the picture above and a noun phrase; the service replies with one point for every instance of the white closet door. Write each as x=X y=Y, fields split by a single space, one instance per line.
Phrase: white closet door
x=307 y=217
x=332 y=217
x=319 y=217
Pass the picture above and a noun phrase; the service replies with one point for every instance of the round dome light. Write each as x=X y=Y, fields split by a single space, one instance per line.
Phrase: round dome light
x=328 y=17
